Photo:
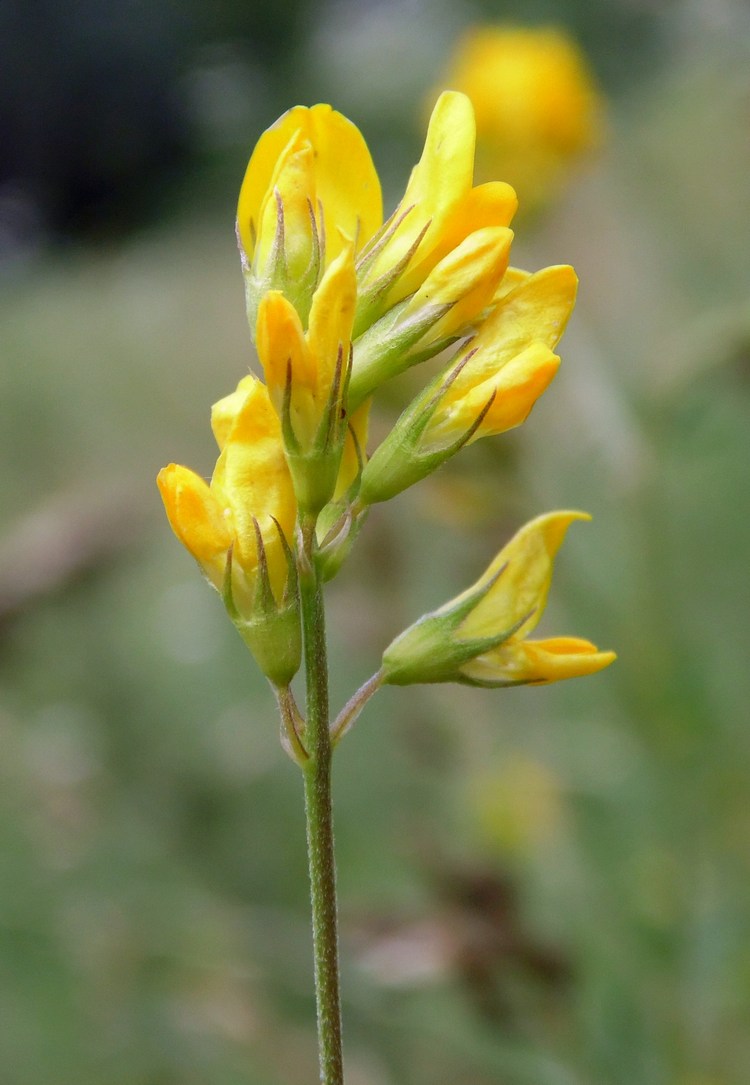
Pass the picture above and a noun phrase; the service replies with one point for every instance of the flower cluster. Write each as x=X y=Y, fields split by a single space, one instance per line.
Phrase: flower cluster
x=339 y=302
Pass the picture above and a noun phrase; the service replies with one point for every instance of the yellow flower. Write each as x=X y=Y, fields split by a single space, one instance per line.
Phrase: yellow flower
x=238 y=528
x=491 y=385
x=455 y=293
x=479 y=638
x=439 y=210
x=537 y=105
x=307 y=373
x=427 y=278
x=517 y=804
x=510 y=362
x=310 y=189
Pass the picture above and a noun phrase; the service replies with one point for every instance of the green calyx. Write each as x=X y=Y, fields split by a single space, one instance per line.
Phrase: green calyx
x=271 y=629
x=314 y=467
x=298 y=287
x=432 y=649
x=404 y=457
x=385 y=349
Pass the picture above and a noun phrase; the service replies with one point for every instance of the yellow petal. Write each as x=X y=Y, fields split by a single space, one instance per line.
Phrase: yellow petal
x=331 y=319
x=350 y=193
x=293 y=182
x=260 y=170
x=520 y=591
x=196 y=517
x=467 y=278
x=489 y=205
x=252 y=479
x=441 y=177
x=511 y=392
x=539 y=661
x=281 y=343
x=537 y=310
x=225 y=411
x=516 y=388
x=347 y=182
x=512 y=278
x=446 y=169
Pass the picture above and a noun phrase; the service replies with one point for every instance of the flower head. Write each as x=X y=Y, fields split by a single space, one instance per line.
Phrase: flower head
x=480 y=637
x=310 y=190
x=536 y=102
x=238 y=527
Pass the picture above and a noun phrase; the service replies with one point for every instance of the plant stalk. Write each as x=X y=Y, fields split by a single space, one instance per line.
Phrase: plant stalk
x=318 y=808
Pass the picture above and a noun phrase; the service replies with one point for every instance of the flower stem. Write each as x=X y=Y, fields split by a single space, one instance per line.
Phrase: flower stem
x=348 y=715
x=317 y=779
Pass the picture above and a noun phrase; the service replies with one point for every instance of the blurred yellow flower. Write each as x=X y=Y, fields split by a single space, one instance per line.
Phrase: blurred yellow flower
x=538 y=109
x=518 y=805
x=479 y=637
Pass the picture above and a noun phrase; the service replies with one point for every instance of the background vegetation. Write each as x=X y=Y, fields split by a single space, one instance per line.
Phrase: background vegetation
x=539 y=887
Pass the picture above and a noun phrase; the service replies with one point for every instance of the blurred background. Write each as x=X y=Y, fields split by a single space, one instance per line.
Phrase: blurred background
x=538 y=887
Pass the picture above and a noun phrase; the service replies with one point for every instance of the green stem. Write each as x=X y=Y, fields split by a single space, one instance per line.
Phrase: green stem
x=317 y=777
x=347 y=717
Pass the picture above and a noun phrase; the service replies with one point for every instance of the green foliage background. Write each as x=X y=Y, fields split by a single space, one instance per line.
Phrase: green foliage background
x=538 y=887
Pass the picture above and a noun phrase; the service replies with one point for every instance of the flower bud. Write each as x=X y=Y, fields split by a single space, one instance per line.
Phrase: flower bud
x=237 y=528
x=479 y=638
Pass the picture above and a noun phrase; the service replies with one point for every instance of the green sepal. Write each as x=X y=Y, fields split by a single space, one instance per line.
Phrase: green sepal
x=383 y=351
x=430 y=651
x=275 y=275
x=315 y=468
x=371 y=295
x=402 y=460
x=272 y=630
x=339 y=524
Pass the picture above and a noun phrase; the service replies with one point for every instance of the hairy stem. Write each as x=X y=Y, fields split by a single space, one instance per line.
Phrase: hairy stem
x=317 y=778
